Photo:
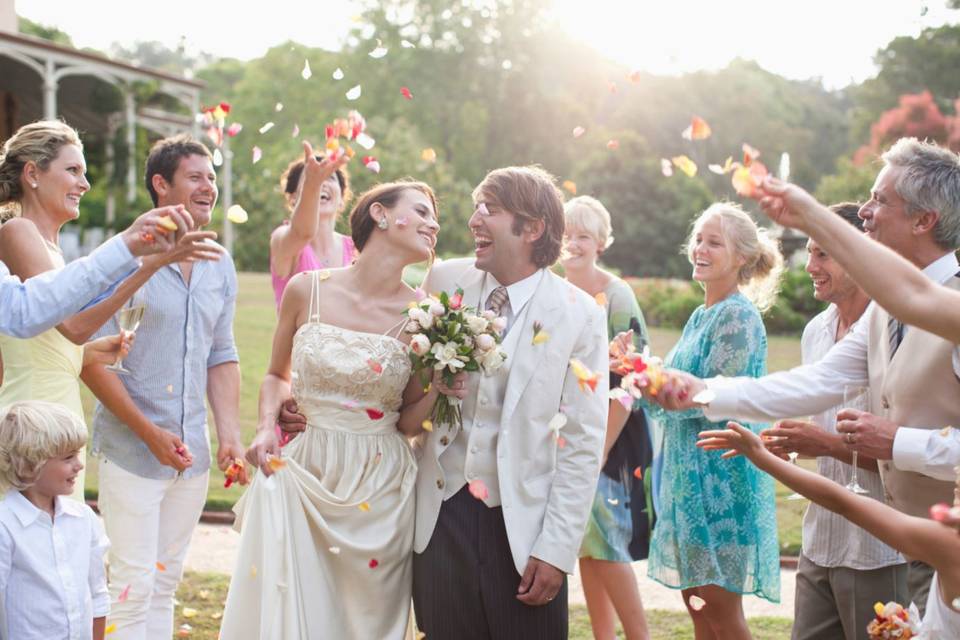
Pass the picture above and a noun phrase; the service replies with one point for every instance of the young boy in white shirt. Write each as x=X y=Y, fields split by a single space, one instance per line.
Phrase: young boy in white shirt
x=52 y=578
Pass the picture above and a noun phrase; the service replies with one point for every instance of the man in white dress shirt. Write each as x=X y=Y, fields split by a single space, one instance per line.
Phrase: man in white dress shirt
x=503 y=500
x=915 y=210
x=843 y=569
x=42 y=302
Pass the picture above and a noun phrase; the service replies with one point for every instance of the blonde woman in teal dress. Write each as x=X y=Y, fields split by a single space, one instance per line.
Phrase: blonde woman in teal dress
x=716 y=533
x=621 y=519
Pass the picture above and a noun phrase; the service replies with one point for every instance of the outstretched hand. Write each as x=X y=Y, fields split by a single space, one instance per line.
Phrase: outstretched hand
x=734 y=440
x=317 y=169
x=191 y=247
x=787 y=204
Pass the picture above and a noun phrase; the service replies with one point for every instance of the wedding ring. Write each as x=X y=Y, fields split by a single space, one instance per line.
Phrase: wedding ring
x=849 y=438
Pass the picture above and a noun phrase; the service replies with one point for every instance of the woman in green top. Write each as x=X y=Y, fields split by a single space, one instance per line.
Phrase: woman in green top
x=621 y=519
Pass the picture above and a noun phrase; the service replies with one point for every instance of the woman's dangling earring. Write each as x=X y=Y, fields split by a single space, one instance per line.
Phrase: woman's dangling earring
x=382 y=224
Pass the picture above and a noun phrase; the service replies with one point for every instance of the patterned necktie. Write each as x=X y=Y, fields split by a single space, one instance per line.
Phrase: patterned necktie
x=498 y=300
x=894 y=334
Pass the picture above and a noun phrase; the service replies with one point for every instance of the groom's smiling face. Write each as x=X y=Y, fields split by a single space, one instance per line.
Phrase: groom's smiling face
x=499 y=248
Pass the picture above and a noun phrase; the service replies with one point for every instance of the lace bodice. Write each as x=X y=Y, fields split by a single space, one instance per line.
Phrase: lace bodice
x=332 y=363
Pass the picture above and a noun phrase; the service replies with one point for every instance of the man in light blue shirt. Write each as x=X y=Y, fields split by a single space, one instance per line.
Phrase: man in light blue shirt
x=150 y=429
x=32 y=307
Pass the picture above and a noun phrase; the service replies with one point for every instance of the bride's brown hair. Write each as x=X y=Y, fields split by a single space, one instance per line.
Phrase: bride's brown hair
x=387 y=194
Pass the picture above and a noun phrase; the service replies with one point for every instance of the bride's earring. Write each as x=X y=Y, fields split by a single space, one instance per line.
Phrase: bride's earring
x=382 y=224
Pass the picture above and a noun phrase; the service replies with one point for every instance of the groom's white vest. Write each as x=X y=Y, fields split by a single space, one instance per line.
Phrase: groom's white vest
x=545 y=485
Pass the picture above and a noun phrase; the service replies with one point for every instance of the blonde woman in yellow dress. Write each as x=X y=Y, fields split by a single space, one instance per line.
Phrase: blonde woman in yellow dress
x=42 y=179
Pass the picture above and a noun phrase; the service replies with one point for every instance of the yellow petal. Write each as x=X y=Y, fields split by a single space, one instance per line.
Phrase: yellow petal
x=429 y=155
x=110 y=629
x=188 y=612
x=364 y=506
x=540 y=337
x=685 y=164
x=237 y=214
x=167 y=223
x=601 y=299
x=323 y=275
x=427 y=425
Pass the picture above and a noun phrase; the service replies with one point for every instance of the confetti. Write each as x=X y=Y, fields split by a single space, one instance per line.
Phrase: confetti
x=371 y=163
x=405 y=92
x=685 y=164
x=110 y=629
x=161 y=567
x=124 y=594
x=275 y=463
x=613 y=145
x=166 y=222
x=638 y=473
x=278 y=107
x=364 y=506
x=749 y=154
x=266 y=127
x=666 y=167
x=727 y=167
x=578 y=131
x=556 y=423
x=335 y=550
x=783 y=172
x=479 y=490
x=234 y=129
x=427 y=425
x=406 y=44
x=620 y=395
x=697 y=603
x=613 y=501
x=237 y=214
x=188 y=612
x=374 y=414
x=570 y=186
x=747 y=179
x=365 y=141
x=375 y=366
x=217 y=157
x=184 y=630
x=539 y=335
x=306 y=73
x=232 y=472
x=601 y=299
x=379 y=52
x=338 y=74
x=256 y=154
x=354 y=93
x=429 y=155
x=296 y=131
x=586 y=379
x=698 y=129
x=373 y=564
x=634 y=77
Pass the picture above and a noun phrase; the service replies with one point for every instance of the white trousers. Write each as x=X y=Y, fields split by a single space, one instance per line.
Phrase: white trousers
x=149 y=523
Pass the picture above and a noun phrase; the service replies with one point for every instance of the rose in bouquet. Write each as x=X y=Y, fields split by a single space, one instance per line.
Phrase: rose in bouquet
x=448 y=338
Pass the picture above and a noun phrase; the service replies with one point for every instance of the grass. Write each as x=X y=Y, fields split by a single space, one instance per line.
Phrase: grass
x=205 y=593
x=253 y=331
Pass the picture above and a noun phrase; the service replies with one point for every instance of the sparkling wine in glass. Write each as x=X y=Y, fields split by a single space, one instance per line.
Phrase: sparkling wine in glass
x=856 y=397
x=128 y=319
x=793 y=460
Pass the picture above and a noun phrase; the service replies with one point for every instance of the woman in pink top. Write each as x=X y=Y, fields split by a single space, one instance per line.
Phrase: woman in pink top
x=308 y=240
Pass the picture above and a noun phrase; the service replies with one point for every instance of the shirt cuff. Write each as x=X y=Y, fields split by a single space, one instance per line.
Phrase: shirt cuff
x=222 y=355
x=115 y=258
x=724 y=404
x=910 y=448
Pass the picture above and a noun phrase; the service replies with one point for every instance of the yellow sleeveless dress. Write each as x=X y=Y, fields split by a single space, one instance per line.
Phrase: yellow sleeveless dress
x=45 y=367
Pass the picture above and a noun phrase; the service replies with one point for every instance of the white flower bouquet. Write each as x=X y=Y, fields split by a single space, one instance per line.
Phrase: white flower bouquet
x=449 y=337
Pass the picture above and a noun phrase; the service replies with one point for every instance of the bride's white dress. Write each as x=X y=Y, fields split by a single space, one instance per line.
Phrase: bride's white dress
x=326 y=542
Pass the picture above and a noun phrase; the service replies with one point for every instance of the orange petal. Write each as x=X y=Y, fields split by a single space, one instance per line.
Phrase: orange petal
x=375 y=366
x=570 y=186
x=698 y=129
x=364 y=506
x=429 y=155
x=161 y=566
x=613 y=145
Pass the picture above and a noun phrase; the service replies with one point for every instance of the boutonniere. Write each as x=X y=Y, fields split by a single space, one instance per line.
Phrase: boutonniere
x=539 y=335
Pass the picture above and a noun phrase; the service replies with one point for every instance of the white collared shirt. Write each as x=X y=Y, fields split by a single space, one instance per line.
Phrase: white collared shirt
x=829 y=539
x=519 y=294
x=809 y=388
x=52 y=578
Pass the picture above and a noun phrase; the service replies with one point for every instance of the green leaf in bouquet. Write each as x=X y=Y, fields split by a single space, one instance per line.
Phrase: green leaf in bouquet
x=445 y=300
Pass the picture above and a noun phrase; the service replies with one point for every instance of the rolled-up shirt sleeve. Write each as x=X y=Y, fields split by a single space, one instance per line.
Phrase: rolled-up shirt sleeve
x=43 y=301
x=801 y=391
x=932 y=452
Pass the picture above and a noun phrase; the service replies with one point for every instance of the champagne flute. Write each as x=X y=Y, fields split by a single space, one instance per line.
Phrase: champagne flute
x=128 y=319
x=856 y=397
x=793 y=455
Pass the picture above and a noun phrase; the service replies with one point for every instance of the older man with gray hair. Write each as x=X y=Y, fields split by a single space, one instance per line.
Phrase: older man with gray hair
x=914 y=209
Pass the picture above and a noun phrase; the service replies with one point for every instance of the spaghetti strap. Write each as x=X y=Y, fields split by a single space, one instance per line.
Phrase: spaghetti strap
x=313 y=312
x=396 y=330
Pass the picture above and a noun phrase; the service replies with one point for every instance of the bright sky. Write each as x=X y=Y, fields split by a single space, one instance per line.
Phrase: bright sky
x=831 y=39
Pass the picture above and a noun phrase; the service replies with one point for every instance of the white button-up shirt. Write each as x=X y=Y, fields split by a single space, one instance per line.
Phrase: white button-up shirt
x=809 y=388
x=518 y=294
x=52 y=578
x=27 y=309
x=829 y=539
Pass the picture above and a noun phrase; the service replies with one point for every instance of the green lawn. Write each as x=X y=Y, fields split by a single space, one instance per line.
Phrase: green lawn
x=202 y=597
x=253 y=328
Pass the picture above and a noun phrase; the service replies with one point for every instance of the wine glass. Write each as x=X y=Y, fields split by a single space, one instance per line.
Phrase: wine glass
x=128 y=319
x=856 y=397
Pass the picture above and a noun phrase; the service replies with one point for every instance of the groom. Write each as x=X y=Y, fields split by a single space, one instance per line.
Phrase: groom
x=492 y=562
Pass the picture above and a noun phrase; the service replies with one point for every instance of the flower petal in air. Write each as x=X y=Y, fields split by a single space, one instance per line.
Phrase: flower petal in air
x=578 y=131
x=666 y=167
x=685 y=164
x=479 y=490
x=428 y=155
x=234 y=129
x=306 y=73
x=613 y=145
x=338 y=74
x=266 y=127
x=405 y=92
x=237 y=214
x=698 y=129
x=354 y=93
x=257 y=153
x=570 y=186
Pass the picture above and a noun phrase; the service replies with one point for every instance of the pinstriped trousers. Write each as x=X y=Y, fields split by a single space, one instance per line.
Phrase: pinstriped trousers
x=465 y=582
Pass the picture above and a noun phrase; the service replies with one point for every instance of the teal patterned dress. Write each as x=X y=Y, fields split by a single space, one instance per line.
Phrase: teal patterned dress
x=716 y=519
x=621 y=519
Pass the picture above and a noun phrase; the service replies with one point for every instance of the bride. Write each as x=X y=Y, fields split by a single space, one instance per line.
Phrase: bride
x=327 y=527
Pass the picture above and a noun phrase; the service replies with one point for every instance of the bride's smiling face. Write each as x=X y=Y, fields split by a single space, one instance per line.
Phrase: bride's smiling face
x=412 y=223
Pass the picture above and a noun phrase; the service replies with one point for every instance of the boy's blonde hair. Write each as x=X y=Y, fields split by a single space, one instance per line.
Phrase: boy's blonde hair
x=31 y=433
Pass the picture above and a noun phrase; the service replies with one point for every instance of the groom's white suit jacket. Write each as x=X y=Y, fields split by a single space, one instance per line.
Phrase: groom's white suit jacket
x=546 y=485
